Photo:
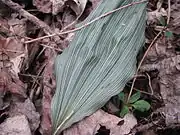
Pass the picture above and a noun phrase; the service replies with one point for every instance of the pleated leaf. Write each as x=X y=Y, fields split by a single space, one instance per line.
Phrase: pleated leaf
x=98 y=63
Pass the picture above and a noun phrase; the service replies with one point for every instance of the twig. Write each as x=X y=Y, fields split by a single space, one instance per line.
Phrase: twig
x=150 y=86
x=87 y=24
x=32 y=76
x=141 y=91
x=35 y=81
x=169 y=11
x=140 y=63
x=149 y=80
x=50 y=47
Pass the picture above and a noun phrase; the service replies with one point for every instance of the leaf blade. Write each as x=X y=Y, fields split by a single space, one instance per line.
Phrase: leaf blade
x=99 y=61
x=141 y=105
x=135 y=97
x=124 y=111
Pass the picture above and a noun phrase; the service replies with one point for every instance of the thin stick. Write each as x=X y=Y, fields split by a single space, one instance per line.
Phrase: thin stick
x=35 y=81
x=50 y=47
x=87 y=24
x=141 y=91
x=169 y=11
x=152 y=43
x=32 y=76
x=150 y=86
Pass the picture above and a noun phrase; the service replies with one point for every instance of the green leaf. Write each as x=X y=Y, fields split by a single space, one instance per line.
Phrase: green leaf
x=121 y=96
x=98 y=63
x=141 y=105
x=124 y=111
x=168 y=34
x=135 y=97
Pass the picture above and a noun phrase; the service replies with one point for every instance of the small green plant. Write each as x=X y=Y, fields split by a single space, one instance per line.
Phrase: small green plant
x=167 y=33
x=134 y=103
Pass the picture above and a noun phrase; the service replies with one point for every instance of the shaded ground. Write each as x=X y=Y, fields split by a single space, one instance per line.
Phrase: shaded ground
x=27 y=81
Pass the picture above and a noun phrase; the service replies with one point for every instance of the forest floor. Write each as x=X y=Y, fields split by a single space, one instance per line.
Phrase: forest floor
x=29 y=44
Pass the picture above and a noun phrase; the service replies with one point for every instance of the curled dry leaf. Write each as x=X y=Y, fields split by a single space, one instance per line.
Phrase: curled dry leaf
x=155 y=16
x=78 y=6
x=56 y=6
x=91 y=124
x=67 y=18
x=12 y=52
x=17 y=26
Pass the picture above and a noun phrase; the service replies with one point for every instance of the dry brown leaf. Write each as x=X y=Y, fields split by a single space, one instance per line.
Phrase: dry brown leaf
x=27 y=108
x=67 y=18
x=12 y=52
x=91 y=124
x=46 y=125
x=17 y=26
x=175 y=18
x=155 y=16
x=17 y=125
x=43 y=5
x=17 y=88
x=164 y=58
x=78 y=6
x=56 y=6
x=4 y=27
x=4 y=81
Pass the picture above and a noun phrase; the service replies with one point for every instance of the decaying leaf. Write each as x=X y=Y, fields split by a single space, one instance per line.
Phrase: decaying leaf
x=155 y=16
x=164 y=58
x=4 y=81
x=91 y=124
x=4 y=27
x=46 y=125
x=78 y=6
x=44 y=6
x=26 y=108
x=98 y=63
x=56 y=6
x=17 y=26
x=175 y=19
x=17 y=125
x=12 y=54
